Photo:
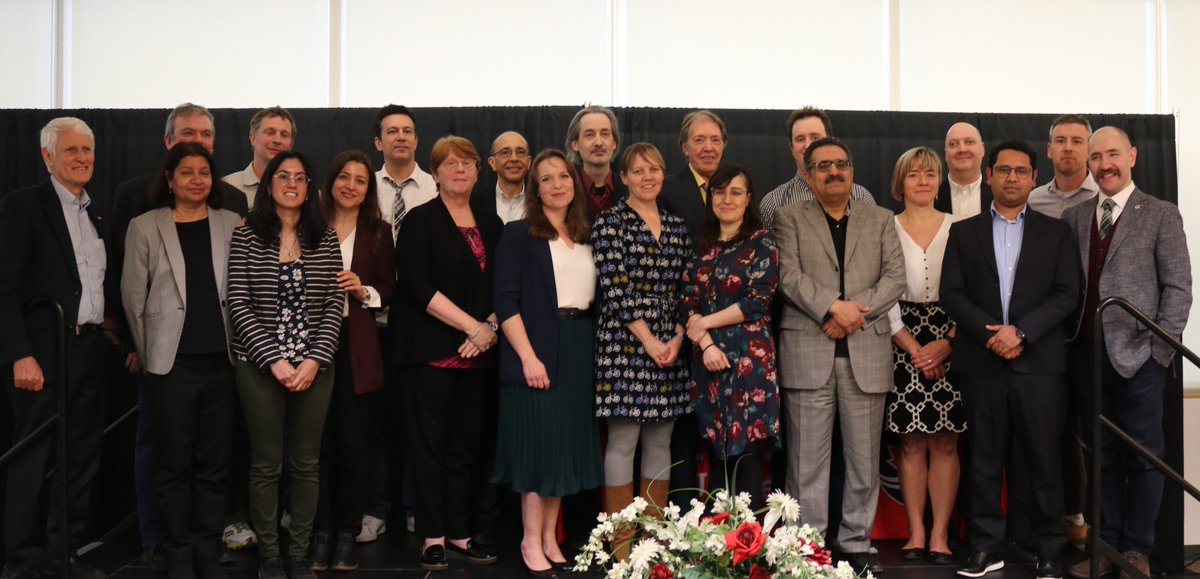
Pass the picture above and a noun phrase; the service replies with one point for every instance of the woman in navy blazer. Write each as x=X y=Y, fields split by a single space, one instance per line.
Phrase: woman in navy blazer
x=444 y=332
x=548 y=445
x=368 y=277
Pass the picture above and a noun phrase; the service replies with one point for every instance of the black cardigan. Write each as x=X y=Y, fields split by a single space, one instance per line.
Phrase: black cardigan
x=433 y=256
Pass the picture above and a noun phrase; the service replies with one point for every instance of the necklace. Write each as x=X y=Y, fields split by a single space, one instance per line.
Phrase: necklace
x=291 y=248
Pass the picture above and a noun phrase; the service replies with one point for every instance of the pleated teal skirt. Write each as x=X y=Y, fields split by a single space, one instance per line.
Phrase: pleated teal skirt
x=548 y=440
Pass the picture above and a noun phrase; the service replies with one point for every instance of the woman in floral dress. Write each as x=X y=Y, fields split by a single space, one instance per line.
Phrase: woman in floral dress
x=641 y=252
x=727 y=308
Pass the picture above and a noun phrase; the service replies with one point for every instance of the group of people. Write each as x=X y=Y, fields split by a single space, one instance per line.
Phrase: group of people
x=517 y=325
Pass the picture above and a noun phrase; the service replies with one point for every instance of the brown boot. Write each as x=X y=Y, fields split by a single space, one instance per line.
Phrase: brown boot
x=617 y=498
x=655 y=493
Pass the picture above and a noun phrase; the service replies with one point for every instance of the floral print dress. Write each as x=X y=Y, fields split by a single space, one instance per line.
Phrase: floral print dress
x=291 y=328
x=740 y=405
x=640 y=278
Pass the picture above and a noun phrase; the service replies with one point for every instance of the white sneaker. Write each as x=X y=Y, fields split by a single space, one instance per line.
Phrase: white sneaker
x=372 y=527
x=238 y=536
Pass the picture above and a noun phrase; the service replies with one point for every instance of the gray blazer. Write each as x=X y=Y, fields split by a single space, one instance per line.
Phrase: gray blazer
x=808 y=282
x=1148 y=265
x=154 y=287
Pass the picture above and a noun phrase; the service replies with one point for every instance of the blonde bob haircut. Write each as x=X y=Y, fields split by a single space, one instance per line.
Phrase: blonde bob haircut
x=644 y=150
x=914 y=158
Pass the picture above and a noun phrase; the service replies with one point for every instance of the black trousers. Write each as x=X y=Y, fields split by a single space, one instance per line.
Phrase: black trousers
x=344 y=449
x=685 y=446
x=30 y=527
x=192 y=410
x=1029 y=408
x=443 y=412
x=486 y=504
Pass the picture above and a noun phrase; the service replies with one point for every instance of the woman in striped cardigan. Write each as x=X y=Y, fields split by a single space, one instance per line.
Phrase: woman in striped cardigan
x=286 y=309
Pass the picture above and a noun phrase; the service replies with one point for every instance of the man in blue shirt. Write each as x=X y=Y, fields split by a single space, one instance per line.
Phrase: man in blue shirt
x=1009 y=279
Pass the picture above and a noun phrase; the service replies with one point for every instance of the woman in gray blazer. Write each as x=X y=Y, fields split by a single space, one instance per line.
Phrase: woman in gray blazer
x=173 y=289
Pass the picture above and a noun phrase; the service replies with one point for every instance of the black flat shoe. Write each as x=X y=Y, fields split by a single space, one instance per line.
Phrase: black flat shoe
x=912 y=554
x=561 y=566
x=547 y=573
x=475 y=554
x=941 y=558
x=433 y=558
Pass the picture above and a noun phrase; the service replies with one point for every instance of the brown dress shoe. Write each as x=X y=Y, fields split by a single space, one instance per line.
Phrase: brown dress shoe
x=1139 y=562
x=1083 y=569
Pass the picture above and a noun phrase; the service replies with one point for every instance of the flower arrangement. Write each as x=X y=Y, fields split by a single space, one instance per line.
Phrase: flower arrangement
x=728 y=543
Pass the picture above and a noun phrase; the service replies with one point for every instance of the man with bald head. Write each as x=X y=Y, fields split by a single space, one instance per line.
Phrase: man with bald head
x=963 y=193
x=509 y=160
x=1131 y=246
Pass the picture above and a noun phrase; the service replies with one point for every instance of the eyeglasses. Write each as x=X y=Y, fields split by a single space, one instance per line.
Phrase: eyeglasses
x=284 y=178
x=506 y=153
x=460 y=165
x=1005 y=171
x=825 y=166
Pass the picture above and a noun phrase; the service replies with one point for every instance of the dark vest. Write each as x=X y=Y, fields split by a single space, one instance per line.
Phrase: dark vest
x=1097 y=254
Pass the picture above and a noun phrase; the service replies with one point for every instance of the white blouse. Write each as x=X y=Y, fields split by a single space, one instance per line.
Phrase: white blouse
x=574 y=274
x=372 y=300
x=922 y=269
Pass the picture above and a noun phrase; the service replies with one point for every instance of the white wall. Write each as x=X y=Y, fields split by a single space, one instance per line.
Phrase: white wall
x=1035 y=56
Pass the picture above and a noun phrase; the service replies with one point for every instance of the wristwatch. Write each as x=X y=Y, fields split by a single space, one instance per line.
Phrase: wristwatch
x=1020 y=335
x=496 y=327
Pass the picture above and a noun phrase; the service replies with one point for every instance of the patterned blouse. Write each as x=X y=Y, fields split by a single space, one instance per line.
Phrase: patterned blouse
x=640 y=279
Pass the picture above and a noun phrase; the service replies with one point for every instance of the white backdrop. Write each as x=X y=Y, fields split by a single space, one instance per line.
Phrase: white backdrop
x=1020 y=56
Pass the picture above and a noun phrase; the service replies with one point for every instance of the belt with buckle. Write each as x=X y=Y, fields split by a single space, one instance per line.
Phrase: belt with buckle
x=86 y=329
x=573 y=313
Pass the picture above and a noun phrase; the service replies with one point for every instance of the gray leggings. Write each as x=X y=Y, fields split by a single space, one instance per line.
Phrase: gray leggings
x=622 y=442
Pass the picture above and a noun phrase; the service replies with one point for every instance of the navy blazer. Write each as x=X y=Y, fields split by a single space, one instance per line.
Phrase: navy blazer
x=1046 y=289
x=525 y=285
x=37 y=259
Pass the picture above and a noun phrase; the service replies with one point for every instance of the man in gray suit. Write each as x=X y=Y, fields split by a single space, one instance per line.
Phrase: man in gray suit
x=841 y=269
x=1131 y=245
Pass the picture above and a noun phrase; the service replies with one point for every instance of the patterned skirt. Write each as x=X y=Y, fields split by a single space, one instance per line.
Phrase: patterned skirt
x=918 y=405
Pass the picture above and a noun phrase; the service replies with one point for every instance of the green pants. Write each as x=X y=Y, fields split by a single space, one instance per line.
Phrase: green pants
x=275 y=415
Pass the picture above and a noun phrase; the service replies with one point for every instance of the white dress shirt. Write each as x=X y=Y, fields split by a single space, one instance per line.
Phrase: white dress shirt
x=965 y=199
x=510 y=209
x=1122 y=197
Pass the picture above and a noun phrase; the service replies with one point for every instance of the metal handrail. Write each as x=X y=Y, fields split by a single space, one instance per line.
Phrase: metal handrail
x=60 y=363
x=1096 y=546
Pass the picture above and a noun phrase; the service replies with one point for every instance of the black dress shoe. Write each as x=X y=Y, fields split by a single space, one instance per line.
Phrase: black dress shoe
x=318 y=551
x=433 y=558
x=475 y=554
x=863 y=562
x=345 y=553
x=938 y=558
x=547 y=573
x=75 y=570
x=156 y=558
x=981 y=563
x=912 y=554
x=1048 y=568
x=561 y=566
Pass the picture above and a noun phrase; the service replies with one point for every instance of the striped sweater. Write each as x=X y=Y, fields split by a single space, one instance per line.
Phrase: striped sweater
x=253 y=298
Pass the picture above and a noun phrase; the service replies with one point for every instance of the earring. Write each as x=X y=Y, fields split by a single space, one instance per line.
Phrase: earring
x=170 y=192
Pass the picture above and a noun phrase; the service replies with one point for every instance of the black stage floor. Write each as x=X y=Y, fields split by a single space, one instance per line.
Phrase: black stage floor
x=395 y=556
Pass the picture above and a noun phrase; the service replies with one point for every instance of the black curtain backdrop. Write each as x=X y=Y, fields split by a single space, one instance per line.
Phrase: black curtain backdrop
x=129 y=143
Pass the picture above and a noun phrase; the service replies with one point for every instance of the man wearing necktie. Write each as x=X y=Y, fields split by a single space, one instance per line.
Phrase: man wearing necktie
x=1132 y=246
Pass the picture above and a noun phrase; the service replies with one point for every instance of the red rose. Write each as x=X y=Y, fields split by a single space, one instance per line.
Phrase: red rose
x=741 y=399
x=744 y=367
x=733 y=283
x=757 y=572
x=718 y=520
x=758 y=395
x=745 y=541
x=702 y=274
x=661 y=571
x=820 y=557
x=735 y=431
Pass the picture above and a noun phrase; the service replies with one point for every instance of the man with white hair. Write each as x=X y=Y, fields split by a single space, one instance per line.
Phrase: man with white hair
x=52 y=245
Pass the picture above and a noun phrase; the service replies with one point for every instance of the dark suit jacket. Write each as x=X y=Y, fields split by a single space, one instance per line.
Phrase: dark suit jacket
x=37 y=259
x=942 y=202
x=681 y=197
x=375 y=263
x=1045 y=292
x=525 y=285
x=432 y=256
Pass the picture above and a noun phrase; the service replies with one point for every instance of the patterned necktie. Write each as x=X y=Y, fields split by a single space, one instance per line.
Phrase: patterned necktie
x=1106 y=218
x=397 y=207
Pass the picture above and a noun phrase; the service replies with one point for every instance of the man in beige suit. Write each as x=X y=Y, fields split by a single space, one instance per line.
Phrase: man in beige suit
x=841 y=269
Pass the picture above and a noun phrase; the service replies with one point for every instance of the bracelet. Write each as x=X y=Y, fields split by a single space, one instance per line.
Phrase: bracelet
x=476 y=332
x=705 y=349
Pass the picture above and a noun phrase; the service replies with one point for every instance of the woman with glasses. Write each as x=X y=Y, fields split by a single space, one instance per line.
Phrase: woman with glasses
x=368 y=278
x=445 y=328
x=184 y=344
x=727 y=308
x=641 y=252
x=286 y=308
x=925 y=409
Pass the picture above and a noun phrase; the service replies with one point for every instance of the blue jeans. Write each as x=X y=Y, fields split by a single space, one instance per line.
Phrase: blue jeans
x=144 y=460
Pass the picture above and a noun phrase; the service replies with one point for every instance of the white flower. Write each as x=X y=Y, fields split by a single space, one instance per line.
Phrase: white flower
x=720 y=501
x=602 y=557
x=643 y=554
x=787 y=507
x=743 y=502
x=671 y=512
x=716 y=544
